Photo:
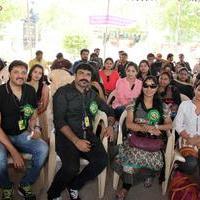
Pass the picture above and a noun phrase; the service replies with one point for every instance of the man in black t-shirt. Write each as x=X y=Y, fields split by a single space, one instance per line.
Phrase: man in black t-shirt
x=121 y=64
x=19 y=131
x=182 y=61
x=75 y=106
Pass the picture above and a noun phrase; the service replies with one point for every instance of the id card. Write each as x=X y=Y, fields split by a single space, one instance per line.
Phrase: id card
x=21 y=125
x=87 y=121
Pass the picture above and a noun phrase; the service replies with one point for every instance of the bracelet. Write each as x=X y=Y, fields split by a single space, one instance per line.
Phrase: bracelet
x=156 y=126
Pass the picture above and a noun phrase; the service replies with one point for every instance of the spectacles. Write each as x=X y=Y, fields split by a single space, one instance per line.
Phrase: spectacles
x=108 y=78
x=153 y=86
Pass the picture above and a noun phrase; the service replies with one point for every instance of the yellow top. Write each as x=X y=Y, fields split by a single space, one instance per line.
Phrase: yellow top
x=43 y=63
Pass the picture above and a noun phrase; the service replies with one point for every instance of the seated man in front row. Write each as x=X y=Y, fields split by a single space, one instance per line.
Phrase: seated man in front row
x=75 y=106
x=19 y=131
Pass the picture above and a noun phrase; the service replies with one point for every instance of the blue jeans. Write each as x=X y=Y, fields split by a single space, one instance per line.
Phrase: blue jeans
x=36 y=147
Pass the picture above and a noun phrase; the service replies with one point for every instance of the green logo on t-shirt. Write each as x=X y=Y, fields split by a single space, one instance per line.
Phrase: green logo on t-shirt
x=93 y=108
x=153 y=117
x=28 y=110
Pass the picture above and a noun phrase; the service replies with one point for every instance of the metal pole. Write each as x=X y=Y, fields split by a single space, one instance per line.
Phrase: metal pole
x=106 y=29
x=29 y=24
x=178 y=22
x=27 y=9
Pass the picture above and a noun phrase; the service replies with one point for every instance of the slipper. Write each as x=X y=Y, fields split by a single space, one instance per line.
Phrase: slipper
x=121 y=194
x=148 y=182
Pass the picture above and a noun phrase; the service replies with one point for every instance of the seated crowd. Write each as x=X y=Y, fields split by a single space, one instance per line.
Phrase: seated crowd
x=151 y=93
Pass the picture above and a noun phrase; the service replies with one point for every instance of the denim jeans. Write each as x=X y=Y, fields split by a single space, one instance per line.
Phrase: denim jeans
x=36 y=147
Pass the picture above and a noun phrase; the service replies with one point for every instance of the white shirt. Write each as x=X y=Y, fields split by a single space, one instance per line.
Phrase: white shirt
x=187 y=119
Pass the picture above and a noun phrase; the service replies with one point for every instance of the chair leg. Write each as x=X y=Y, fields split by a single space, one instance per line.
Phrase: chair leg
x=164 y=185
x=102 y=183
x=40 y=183
x=168 y=172
x=199 y=160
x=115 y=180
x=51 y=169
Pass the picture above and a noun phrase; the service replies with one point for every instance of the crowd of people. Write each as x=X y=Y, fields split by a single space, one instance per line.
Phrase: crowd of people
x=151 y=92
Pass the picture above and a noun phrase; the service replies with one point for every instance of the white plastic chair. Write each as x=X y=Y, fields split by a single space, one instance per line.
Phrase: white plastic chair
x=100 y=118
x=43 y=180
x=184 y=97
x=59 y=77
x=119 y=141
x=110 y=97
x=171 y=155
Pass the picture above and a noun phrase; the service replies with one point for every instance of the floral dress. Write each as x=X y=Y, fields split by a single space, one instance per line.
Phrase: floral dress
x=134 y=164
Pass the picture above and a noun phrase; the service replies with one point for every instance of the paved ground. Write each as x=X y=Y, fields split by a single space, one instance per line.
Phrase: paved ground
x=90 y=191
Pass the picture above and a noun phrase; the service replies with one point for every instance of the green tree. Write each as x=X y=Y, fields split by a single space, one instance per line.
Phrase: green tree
x=9 y=11
x=73 y=43
x=181 y=18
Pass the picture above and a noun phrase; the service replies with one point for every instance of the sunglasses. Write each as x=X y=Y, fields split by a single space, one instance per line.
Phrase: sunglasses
x=153 y=86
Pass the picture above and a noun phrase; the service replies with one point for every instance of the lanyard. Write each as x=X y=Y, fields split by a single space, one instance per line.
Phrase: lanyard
x=85 y=119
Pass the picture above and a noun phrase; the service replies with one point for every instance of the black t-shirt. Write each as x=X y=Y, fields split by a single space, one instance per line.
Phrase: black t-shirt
x=69 y=106
x=155 y=68
x=14 y=113
x=184 y=88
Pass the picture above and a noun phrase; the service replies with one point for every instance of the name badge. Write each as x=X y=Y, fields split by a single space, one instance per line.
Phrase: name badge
x=21 y=125
x=87 y=121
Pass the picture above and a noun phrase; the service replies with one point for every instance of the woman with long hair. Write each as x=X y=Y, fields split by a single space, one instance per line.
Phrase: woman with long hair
x=143 y=70
x=36 y=79
x=148 y=119
x=169 y=94
x=109 y=76
x=127 y=89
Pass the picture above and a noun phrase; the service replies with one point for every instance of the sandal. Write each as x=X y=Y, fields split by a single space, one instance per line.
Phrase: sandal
x=148 y=182
x=121 y=194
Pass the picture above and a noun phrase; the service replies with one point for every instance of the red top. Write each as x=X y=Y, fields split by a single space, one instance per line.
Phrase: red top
x=109 y=82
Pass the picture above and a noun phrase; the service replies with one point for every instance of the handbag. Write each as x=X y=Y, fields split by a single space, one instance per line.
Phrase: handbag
x=183 y=188
x=187 y=149
x=148 y=143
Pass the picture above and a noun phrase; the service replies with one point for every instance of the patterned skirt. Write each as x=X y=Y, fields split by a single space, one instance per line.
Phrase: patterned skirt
x=134 y=164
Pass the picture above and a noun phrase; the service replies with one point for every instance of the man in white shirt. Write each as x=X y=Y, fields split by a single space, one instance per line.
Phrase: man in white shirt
x=187 y=124
x=196 y=68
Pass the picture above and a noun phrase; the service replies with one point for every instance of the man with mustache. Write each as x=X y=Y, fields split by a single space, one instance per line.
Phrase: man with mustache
x=75 y=106
x=19 y=131
x=84 y=53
